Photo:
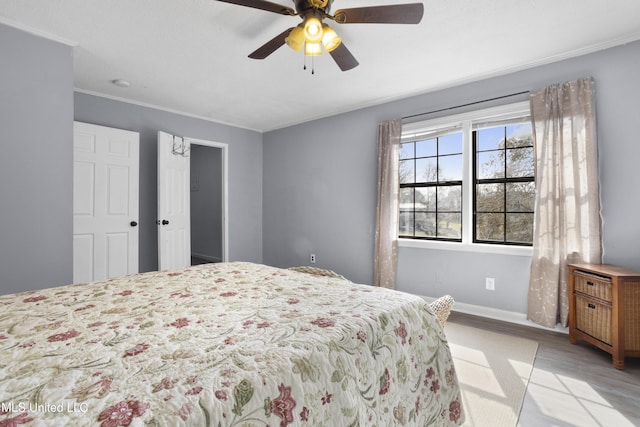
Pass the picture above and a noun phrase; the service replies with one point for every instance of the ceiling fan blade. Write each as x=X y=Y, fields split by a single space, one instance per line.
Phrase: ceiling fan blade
x=409 y=13
x=271 y=46
x=343 y=58
x=263 y=5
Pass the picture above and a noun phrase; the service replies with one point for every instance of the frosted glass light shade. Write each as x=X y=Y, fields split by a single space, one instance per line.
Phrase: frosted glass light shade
x=312 y=29
x=312 y=49
x=295 y=39
x=330 y=38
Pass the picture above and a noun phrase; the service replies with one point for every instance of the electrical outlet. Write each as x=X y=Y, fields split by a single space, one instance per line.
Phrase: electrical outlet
x=490 y=284
x=312 y=258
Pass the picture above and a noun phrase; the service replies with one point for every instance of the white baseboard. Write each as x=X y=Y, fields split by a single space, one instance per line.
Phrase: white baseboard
x=497 y=314
x=206 y=257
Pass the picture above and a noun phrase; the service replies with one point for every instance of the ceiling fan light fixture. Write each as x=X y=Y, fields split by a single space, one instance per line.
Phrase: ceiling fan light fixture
x=312 y=49
x=330 y=39
x=313 y=29
x=312 y=36
x=295 y=40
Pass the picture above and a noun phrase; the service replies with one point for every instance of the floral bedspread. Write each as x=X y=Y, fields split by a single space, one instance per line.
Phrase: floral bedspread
x=235 y=344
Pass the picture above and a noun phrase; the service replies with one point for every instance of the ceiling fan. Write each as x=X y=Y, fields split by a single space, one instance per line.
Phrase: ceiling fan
x=312 y=35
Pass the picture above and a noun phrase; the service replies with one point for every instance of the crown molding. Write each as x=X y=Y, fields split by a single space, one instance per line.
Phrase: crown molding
x=37 y=32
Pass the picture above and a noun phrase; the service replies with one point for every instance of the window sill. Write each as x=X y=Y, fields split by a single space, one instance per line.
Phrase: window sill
x=467 y=247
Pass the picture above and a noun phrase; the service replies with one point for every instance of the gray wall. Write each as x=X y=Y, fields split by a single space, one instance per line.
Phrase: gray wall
x=319 y=185
x=245 y=170
x=36 y=132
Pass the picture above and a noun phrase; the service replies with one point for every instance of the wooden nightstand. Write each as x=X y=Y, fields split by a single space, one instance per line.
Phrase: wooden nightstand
x=604 y=309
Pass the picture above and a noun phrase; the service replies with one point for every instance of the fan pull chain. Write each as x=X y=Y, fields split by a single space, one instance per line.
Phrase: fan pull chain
x=304 y=57
x=304 y=66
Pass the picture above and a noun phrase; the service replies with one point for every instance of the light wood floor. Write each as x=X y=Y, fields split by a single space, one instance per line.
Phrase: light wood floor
x=571 y=385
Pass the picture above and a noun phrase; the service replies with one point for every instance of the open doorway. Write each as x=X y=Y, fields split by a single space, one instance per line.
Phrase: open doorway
x=174 y=206
x=207 y=203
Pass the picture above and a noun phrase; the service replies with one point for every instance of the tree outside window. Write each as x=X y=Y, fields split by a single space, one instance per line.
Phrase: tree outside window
x=504 y=184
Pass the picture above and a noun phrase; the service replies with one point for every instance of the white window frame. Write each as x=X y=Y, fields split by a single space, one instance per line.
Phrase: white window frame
x=411 y=131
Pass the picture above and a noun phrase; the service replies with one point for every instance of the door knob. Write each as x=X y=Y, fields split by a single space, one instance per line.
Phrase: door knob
x=133 y=223
x=165 y=222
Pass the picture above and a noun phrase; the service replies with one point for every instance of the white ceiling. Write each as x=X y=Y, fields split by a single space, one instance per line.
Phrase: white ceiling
x=190 y=56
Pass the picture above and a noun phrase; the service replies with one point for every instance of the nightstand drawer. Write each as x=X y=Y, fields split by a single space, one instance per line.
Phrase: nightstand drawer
x=593 y=285
x=593 y=318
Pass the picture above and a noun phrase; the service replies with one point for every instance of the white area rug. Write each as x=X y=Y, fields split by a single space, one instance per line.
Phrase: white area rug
x=493 y=370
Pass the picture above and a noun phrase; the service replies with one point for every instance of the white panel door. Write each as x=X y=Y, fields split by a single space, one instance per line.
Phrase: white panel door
x=105 y=202
x=174 y=207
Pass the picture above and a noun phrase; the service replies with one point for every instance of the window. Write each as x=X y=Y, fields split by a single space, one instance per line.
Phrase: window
x=504 y=183
x=469 y=178
x=431 y=186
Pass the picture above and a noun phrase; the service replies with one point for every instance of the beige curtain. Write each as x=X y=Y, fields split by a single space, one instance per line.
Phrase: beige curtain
x=567 y=210
x=386 y=241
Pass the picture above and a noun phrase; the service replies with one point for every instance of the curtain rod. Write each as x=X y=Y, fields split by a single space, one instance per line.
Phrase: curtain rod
x=465 y=105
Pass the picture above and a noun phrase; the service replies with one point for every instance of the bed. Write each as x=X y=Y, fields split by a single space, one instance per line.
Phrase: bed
x=231 y=344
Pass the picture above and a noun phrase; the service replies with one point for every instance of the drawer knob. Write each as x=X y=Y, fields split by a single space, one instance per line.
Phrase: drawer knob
x=590 y=284
x=591 y=305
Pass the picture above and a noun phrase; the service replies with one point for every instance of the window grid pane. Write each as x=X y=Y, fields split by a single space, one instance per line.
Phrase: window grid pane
x=504 y=184
x=431 y=188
